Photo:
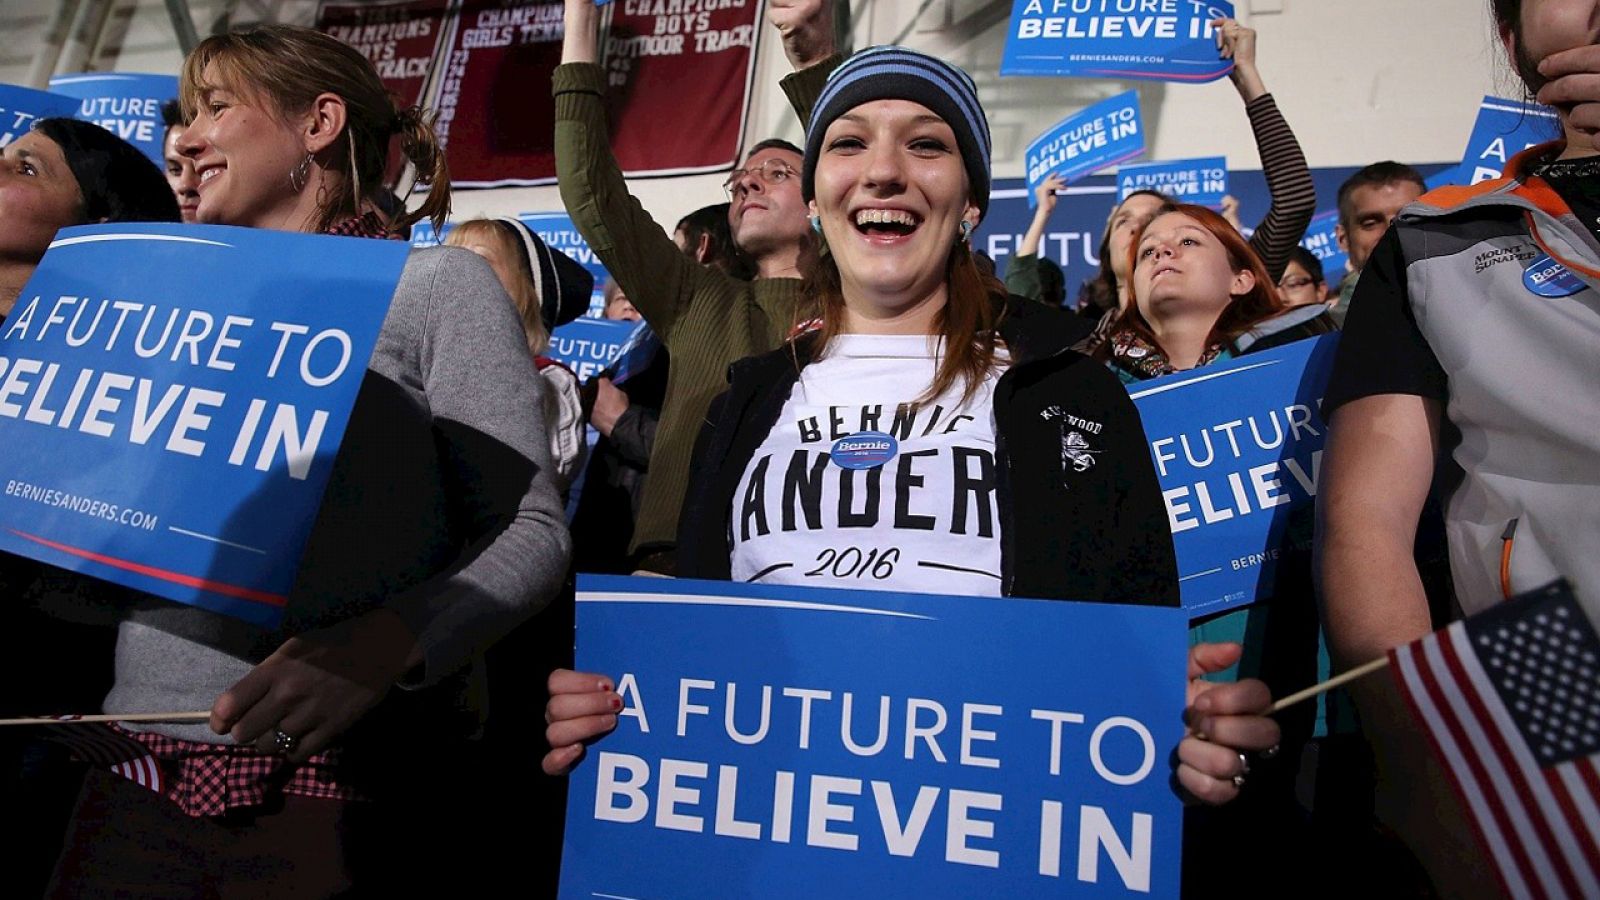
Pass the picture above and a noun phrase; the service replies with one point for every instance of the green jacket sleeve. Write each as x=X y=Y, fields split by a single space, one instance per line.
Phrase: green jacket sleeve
x=1022 y=277
x=648 y=266
x=805 y=86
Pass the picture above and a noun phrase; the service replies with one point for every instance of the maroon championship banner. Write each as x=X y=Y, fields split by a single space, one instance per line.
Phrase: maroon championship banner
x=679 y=74
x=496 y=116
x=401 y=38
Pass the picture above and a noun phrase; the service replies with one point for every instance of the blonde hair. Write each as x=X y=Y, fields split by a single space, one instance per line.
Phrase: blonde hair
x=502 y=239
x=290 y=66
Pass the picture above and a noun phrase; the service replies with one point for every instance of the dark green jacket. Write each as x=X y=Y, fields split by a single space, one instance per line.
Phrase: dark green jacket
x=706 y=318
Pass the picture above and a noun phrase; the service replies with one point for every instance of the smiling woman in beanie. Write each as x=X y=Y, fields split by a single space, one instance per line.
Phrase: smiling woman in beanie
x=985 y=395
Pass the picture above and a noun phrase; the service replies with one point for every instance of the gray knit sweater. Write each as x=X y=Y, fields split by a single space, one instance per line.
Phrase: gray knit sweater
x=440 y=506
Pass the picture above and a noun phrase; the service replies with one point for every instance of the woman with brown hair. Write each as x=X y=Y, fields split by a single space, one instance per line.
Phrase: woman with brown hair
x=996 y=447
x=439 y=531
x=1199 y=295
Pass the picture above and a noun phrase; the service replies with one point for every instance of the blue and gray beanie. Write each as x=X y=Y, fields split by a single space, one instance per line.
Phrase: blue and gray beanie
x=899 y=73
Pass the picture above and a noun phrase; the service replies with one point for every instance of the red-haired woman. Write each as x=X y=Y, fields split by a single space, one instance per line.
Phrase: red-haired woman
x=1200 y=295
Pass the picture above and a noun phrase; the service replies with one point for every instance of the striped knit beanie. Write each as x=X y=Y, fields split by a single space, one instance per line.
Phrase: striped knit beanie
x=562 y=284
x=899 y=73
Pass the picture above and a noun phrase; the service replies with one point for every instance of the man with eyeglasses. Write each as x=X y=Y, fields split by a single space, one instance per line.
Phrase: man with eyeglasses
x=706 y=318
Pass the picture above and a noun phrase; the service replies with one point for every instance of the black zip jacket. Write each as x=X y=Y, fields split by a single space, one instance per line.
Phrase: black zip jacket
x=1080 y=519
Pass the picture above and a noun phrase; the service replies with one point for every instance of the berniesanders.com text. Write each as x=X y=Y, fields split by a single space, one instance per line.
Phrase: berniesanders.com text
x=88 y=506
x=1112 y=57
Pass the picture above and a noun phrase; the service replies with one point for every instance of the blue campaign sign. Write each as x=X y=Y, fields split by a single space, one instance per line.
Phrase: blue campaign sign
x=423 y=234
x=1099 y=137
x=173 y=397
x=1072 y=238
x=1237 y=448
x=786 y=742
x=587 y=346
x=1322 y=240
x=20 y=107
x=1203 y=181
x=1504 y=128
x=636 y=354
x=1153 y=40
x=557 y=230
x=125 y=104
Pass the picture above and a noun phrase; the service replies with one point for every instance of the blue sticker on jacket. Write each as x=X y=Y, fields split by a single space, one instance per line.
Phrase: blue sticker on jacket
x=1548 y=278
x=864 y=450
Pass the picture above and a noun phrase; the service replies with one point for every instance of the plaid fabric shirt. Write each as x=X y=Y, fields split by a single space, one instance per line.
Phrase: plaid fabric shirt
x=366 y=225
x=211 y=779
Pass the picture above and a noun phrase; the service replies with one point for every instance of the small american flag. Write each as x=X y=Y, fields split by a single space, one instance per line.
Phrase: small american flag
x=105 y=748
x=1511 y=700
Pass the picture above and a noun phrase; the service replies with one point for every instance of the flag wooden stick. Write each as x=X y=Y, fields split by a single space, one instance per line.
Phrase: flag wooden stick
x=1331 y=683
x=198 y=716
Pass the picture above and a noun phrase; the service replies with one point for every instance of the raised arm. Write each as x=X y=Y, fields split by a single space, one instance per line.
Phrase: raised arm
x=806 y=28
x=1294 y=195
x=1022 y=273
x=642 y=258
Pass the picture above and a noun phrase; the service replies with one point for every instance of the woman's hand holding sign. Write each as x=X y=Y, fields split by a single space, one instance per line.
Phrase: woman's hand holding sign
x=583 y=707
x=1238 y=42
x=1225 y=721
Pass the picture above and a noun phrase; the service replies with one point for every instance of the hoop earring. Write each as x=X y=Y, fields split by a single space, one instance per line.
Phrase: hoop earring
x=300 y=175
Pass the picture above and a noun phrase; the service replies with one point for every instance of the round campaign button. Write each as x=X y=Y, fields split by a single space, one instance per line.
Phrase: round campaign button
x=1548 y=278
x=864 y=450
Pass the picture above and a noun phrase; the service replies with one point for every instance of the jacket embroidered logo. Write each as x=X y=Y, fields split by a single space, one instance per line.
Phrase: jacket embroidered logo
x=1075 y=451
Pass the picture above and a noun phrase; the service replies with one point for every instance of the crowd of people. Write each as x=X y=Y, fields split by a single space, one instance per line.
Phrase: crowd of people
x=352 y=749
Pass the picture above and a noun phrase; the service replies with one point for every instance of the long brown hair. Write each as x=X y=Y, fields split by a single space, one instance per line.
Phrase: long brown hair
x=973 y=307
x=289 y=66
x=1245 y=311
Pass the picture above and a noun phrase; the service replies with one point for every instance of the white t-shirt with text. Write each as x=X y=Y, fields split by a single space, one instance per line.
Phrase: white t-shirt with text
x=856 y=487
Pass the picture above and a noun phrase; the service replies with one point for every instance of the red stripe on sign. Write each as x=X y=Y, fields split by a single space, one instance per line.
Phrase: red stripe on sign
x=1489 y=786
x=204 y=584
x=1514 y=769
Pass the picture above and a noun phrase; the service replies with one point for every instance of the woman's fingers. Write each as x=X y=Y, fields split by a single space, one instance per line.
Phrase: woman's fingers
x=1250 y=696
x=574 y=706
x=1205 y=659
x=560 y=760
x=1205 y=788
x=1239 y=732
x=580 y=730
x=566 y=681
x=1567 y=62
